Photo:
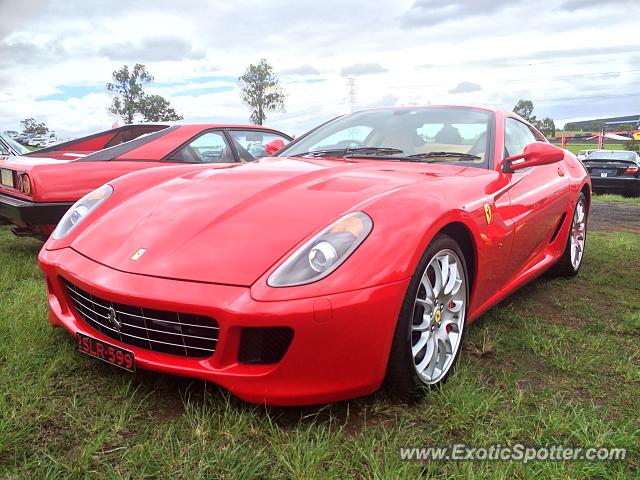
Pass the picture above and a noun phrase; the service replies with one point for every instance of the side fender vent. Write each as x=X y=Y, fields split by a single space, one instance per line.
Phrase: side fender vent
x=558 y=227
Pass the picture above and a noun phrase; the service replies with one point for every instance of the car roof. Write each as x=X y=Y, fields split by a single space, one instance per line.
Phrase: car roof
x=414 y=107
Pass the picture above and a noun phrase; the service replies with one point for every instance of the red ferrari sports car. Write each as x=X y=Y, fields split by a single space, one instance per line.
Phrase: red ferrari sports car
x=35 y=192
x=356 y=256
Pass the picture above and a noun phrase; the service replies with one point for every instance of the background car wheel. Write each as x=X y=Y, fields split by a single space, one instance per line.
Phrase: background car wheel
x=430 y=328
x=568 y=265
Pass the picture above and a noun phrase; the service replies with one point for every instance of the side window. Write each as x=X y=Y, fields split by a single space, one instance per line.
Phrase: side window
x=251 y=144
x=210 y=147
x=516 y=136
x=538 y=137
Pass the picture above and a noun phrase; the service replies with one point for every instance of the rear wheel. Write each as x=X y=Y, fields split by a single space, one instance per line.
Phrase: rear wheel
x=569 y=263
x=430 y=329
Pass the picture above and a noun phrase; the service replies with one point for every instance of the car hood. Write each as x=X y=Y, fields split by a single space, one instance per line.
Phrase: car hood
x=230 y=225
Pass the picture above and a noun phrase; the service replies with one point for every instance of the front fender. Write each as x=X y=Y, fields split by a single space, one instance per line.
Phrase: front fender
x=390 y=254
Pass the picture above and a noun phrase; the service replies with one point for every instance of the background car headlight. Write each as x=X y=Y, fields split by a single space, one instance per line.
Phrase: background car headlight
x=79 y=211
x=323 y=253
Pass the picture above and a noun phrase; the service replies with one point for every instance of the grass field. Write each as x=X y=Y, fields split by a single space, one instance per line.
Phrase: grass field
x=576 y=147
x=610 y=197
x=556 y=363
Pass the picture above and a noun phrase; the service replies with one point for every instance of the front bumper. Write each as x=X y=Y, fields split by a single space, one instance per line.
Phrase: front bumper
x=616 y=184
x=22 y=212
x=339 y=349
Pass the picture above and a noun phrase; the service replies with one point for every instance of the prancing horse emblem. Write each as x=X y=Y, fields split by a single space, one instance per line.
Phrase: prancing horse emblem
x=488 y=213
x=138 y=254
x=113 y=318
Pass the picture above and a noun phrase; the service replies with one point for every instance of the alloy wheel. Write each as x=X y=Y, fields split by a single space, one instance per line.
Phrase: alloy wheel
x=578 y=231
x=438 y=317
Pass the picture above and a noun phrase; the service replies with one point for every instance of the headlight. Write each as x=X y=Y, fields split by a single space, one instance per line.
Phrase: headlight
x=323 y=253
x=79 y=211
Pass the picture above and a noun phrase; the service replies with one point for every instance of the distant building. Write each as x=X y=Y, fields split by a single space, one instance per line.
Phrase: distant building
x=631 y=122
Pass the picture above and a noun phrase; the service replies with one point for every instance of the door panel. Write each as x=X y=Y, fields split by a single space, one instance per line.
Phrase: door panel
x=495 y=241
x=538 y=199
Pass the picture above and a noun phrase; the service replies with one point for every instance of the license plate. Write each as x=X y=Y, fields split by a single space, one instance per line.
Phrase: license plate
x=603 y=174
x=7 y=178
x=106 y=352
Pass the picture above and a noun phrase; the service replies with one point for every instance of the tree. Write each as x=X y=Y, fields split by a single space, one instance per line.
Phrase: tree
x=131 y=101
x=129 y=89
x=547 y=126
x=29 y=125
x=155 y=108
x=260 y=90
x=524 y=108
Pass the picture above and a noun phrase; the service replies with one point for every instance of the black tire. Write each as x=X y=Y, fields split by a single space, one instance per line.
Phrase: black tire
x=564 y=267
x=401 y=378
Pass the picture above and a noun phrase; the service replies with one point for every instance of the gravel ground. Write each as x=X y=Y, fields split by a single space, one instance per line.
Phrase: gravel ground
x=609 y=216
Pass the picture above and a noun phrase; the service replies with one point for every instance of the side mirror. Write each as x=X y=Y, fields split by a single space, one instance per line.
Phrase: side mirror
x=274 y=145
x=537 y=153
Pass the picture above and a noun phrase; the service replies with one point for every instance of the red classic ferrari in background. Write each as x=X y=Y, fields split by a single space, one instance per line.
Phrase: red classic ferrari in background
x=37 y=189
x=356 y=257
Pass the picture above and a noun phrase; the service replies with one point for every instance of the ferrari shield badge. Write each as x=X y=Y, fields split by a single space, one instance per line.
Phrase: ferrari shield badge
x=138 y=254
x=488 y=213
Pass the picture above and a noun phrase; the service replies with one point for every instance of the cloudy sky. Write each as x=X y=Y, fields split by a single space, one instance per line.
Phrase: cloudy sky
x=575 y=59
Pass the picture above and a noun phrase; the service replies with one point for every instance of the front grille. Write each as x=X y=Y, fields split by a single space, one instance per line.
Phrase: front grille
x=157 y=330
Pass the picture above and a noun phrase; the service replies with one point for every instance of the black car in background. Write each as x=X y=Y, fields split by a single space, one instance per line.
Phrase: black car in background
x=614 y=171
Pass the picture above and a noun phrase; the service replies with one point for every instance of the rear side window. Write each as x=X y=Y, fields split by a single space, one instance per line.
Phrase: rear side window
x=131 y=132
x=210 y=147
x=517 y=135
x=126 y=147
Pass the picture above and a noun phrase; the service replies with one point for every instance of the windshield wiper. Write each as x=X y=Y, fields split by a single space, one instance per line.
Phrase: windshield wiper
x=428 y=155
x=342 y=152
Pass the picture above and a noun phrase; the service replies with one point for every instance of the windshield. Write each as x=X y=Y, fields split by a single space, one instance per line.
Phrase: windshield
x=436 y=134
x=13 y=144
x=612 y=155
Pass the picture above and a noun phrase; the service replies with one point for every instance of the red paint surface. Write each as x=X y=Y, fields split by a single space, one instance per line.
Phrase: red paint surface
x=214 y=235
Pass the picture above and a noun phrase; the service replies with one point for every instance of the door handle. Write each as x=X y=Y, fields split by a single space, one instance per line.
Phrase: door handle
x=560 y=172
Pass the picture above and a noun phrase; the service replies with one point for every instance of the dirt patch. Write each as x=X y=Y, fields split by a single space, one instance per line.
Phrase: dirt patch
x=612 y=216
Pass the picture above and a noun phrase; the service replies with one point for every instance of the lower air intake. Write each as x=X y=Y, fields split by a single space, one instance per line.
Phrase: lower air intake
x=265 y=345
